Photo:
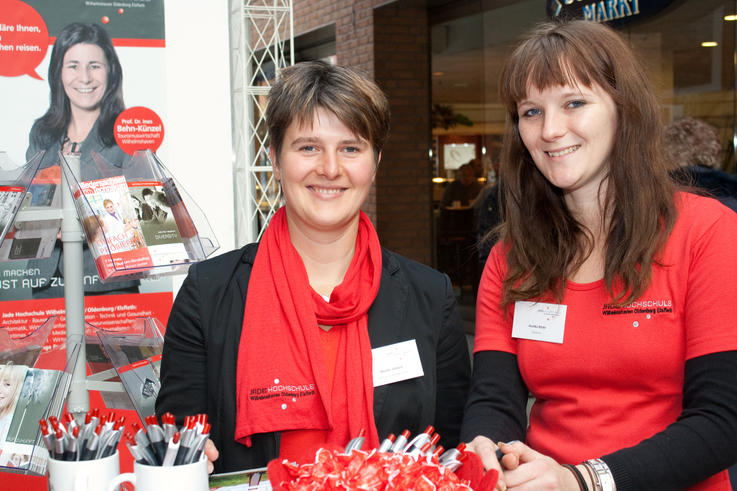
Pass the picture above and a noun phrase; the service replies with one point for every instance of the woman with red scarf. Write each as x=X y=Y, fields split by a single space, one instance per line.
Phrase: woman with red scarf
x=316 y=333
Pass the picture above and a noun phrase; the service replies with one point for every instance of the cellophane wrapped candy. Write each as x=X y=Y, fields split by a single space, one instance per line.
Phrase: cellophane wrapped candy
x=359 y=470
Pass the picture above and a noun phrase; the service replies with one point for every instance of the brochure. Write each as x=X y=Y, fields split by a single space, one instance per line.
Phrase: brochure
x=159 y=224
x=37 y=398
x=249 y=480
x=136 y=357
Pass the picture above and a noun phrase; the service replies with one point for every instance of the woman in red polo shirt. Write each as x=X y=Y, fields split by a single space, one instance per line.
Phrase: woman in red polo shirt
x=610 y=296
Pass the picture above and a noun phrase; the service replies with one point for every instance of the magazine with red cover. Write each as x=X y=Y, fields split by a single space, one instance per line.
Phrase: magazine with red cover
x=112 y=228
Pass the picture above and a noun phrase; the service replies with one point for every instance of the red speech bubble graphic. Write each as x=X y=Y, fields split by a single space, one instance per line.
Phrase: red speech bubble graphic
x=24 y=39
x=138 y=128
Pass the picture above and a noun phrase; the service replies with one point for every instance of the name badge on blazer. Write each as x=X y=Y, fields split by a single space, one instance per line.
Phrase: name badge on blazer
x=539 y=321
x=396 y=362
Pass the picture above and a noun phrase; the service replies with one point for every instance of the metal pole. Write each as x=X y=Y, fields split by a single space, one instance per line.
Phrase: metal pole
x=72 y=238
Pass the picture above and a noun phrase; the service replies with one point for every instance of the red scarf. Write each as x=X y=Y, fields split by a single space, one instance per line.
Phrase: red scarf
x=282 y=380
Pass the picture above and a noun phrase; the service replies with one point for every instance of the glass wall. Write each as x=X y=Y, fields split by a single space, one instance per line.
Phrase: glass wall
x=688 y=47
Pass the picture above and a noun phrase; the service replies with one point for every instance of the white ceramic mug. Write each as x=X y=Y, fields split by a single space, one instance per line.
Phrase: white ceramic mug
x=189 y=477
x=82 y=475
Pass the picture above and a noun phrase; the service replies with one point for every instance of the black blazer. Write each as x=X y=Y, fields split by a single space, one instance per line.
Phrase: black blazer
x=198 y=370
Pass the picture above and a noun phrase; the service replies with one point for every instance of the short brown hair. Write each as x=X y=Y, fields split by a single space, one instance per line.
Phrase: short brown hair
x=304 y=88
x=639 y=192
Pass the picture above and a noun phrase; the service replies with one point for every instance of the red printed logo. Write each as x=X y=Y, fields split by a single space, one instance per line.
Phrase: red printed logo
x=138 y=128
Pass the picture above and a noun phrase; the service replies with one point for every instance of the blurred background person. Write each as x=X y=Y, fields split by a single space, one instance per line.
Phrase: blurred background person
x=463 y=189
x=692 y=146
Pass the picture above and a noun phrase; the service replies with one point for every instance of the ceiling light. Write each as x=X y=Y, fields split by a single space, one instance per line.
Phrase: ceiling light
x=709 y=44
x=730 y=17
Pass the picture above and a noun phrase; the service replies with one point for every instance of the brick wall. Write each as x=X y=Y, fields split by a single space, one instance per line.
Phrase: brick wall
x=389 y=41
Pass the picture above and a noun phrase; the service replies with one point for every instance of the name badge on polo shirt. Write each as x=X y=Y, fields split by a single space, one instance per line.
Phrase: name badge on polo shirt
x=539 y=321
x=395 y=362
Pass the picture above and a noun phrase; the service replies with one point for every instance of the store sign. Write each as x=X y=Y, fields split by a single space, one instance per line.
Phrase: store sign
x=605 y=10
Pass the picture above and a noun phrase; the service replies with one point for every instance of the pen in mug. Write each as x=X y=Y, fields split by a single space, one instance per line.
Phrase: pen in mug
x=156 y=436
x=199 y=445
x=110 y=443
x=71 y=449
x=59 y=445
x=141 y=453
x=142 y=440
x=168 y=425
x=90 y=449
x=48 y=438
x=172 y=450
x=69 y=422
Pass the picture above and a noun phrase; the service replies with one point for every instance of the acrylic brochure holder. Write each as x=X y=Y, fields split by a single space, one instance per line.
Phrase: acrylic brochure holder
x=29 y=210
x=137 y=219
x=25 y=350
x=43 y=393
x=135 y=353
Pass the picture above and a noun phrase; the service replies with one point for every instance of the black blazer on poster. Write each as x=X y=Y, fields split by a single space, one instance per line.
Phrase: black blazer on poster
x=198 y=370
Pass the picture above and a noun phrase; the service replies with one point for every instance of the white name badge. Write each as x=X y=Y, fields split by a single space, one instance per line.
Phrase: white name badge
x=395 y=362
x=539 y=321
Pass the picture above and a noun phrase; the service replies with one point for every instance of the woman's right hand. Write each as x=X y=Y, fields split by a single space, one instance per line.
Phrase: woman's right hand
x=486 y=450
x=212 y=454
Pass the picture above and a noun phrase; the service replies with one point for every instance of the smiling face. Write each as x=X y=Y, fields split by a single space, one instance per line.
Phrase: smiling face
x=326 y=172
x=8 y=387
x=6 y=390
x=84 y=76
x=569 y=131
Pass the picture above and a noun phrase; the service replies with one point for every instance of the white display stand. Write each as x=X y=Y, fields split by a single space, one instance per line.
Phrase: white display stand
x=72 y=239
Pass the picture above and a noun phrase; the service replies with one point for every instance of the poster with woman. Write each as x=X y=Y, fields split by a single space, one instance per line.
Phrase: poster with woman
x=70 y=72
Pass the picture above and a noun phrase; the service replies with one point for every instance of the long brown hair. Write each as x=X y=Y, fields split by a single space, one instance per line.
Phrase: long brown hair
x=544 y=241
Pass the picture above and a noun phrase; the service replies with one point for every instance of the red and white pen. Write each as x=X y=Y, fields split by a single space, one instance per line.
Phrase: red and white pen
x=356 y=443
x=168 y=424
x=156 y=435
x=48 y=437
x=386 y=445
x=401 y=442
x=199 y=445
x=171 y=451
x=453 y=457
x=59 y=444
x=143 y=442
x=420 y=440
x=142 y=454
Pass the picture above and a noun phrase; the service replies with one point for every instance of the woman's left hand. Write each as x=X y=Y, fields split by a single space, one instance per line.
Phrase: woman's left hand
x=535 y=470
